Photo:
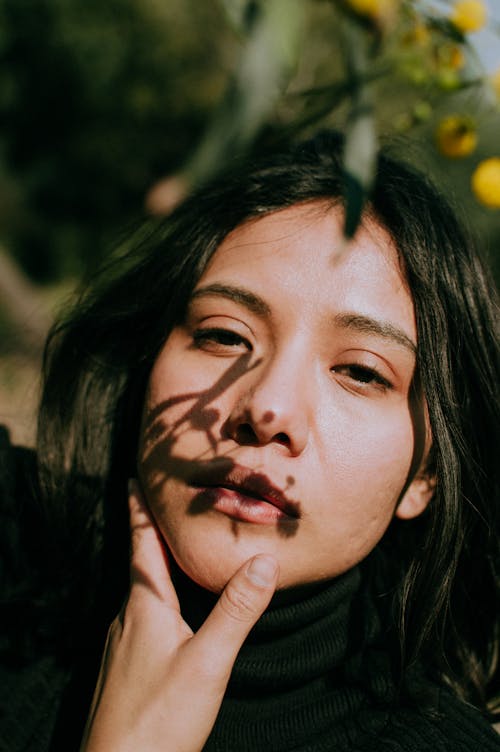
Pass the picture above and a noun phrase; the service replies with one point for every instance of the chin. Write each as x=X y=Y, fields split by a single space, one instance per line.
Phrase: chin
x=211 y=572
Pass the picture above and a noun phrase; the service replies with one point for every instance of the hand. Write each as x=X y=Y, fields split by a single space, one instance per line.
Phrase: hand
x=161 y=686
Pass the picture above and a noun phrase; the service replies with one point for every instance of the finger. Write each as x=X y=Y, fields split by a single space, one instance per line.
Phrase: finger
x=243 y=601
x=149 y=565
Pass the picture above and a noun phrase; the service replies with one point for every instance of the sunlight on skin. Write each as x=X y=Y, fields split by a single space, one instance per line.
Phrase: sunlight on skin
x=289 y=372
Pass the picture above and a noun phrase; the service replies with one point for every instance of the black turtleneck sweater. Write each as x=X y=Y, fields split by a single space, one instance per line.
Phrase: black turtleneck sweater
x=314 y=675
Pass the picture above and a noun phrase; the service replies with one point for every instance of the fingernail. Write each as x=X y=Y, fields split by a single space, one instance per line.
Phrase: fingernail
x=262 y=570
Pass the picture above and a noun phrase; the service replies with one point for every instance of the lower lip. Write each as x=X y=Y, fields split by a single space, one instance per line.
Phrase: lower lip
x=236 y=505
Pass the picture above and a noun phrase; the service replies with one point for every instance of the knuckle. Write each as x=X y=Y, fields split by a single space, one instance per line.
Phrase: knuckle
x=238 y=603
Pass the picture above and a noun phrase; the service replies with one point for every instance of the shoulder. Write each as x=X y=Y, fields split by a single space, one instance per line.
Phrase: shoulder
x=23 y=581
x=454 y=727
x=45 y=688
x=30 y=684
x=18 y=513
x=13 y=460
x=16 y=464
x=30 y=605
x=19 y=518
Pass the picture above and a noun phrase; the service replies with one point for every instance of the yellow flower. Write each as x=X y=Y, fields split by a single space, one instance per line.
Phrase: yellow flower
x=468 y=15
x=486 y=182
x=421 y=34
x=381 y=11
x=418 y=34
x=457 y=58
x=456 y=136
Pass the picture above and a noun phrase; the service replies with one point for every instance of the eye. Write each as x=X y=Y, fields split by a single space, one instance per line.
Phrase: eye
x=363 y=376
x=218 y=340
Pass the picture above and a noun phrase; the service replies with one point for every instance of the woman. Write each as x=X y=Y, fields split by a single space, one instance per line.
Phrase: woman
x=309 y=429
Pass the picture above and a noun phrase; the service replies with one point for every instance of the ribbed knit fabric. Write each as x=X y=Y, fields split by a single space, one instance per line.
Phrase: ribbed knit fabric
x=296 y=682
x=314 y=676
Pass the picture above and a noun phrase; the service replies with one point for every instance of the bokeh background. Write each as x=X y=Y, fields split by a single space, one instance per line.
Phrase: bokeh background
x=112 y=109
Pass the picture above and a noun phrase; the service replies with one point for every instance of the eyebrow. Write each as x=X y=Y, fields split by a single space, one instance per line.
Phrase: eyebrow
x=237 y=294
x=369 y=325
x=352 y=321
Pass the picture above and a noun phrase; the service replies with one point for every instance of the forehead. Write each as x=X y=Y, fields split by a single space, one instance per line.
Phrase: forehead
x=315 y=228
x=298 y=256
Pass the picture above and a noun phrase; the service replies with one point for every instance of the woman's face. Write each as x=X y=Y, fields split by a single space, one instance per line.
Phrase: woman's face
x=279 y=417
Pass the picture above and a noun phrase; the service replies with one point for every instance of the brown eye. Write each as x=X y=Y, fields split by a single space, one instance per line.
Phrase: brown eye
x=215 y=339
x=363 y=375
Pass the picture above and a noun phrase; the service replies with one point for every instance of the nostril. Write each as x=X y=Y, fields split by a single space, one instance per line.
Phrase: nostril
x=245 y=434
x=282 y=438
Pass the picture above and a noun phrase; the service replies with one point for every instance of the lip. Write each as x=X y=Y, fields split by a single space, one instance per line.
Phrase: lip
x=244 y=494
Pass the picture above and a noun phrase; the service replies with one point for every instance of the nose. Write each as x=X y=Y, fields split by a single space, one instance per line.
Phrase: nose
x=270 y=407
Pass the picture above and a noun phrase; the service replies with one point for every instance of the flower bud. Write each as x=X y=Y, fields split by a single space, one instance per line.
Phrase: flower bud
x=486 y=182
x=456 y=136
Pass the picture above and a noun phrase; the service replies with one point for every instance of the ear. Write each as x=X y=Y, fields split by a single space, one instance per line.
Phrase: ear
x=416 y=497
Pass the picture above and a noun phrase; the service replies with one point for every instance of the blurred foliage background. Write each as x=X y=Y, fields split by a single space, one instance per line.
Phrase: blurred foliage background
x=110 y=109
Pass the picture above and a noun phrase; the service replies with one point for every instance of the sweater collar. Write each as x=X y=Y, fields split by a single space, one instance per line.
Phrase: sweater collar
x=303 y=633
x=310 y=676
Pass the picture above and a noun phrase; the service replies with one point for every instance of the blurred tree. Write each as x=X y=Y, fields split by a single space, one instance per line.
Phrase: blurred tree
x=101 y=100
x=97 y=99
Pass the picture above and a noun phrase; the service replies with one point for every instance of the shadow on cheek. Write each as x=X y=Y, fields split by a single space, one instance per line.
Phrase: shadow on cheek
x=159 y=461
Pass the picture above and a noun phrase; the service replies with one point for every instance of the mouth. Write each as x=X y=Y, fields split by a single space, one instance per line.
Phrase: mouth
x=245 y=495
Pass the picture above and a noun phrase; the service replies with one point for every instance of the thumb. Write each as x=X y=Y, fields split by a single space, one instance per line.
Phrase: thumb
x=243 y=601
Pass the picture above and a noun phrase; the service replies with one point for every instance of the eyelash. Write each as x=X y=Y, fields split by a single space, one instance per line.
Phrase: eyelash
x=221 y=337
x=226 y=338
x=363 y=375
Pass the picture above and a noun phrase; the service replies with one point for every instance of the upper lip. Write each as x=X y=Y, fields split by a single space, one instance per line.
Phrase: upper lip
x=246 y=481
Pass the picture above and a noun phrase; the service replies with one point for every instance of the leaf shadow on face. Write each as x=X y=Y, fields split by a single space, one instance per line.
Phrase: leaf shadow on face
x=161 y=461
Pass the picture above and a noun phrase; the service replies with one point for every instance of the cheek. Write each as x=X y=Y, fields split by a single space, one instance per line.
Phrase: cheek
x=183 y=398
x=169 y=404
x=362 y=496
x=372 y=443
x=167 y=389
x=367 y=469
x=384 y=465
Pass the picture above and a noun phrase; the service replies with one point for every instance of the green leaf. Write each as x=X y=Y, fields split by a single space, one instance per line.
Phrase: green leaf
x=360 y=157
x=361 y=147
x=240 y=13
